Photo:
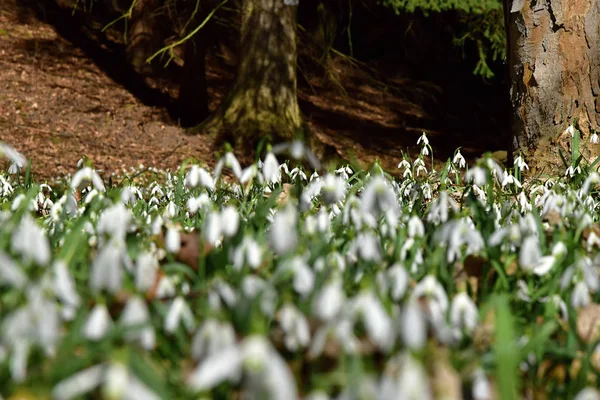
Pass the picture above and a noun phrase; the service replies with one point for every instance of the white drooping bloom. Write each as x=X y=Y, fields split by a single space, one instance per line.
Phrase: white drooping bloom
x=248 y=252
x=404 y=377
x=267 y=374
x=464 y=315
x=228 y=161
x=379 y=198
x=199 y=176
x=64 y=285
x=440 y=208
x=477 y=176
x=329 y=300
x=283 y=234
x=98 y=323
x=459 y=160
x=172 y=240
x=377 y=322
x=398 y=279
x=295 y=327
x=107 y=267
x=413 y=326
x=531 y=259
x=481 y=389
x=333 y=189
x=10 y=272
x=30 y=241
x=270 y=169
x=12 y=155
x=136 y=318
x=86 y=175
x=211 y=338
x=179 y=312
x=115 y=221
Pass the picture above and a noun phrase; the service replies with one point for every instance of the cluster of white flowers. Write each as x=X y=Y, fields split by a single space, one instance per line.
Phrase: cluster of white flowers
x=241 y=281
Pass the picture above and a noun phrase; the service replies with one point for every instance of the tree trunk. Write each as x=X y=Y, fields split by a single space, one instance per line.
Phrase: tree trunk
x=554 y=62
x=193 y=99
x=144 y=36
x=262 y=102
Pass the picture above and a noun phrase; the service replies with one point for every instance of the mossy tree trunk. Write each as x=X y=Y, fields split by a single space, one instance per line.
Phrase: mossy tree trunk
x=554 y=62
x=262 y=103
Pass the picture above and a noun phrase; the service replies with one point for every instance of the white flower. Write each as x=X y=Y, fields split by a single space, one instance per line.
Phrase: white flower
x=145 y=274
x=423 y=138
x=10 y=273
x=463 y=313
x=172 y=240
x=135 y=314
x=247 y=252
x=115 y=221
x=477 y=176
x=283 y=234
x=510 y=180
x=415 y=227
x=580 y=296
x=413 y=328
x=64 y=285
x=98 y=323
x=179 y=311
x=459 y=160
x=570 y=130
x=404 y=377
x=199 y=176
x=270 y=169
x=520 y=163
x=107 y=267
x=399 y=281
x=329 y=301
x=531 y=260
x=211 y=338
x=29 y=240
x=379 y=197
x=334 y=189
x=594 y=138
x=376 y=320
x=79 y=383
x=439 y=210
x=570 y=172
x=588 y=393
x=295 y=327
x=230 y=221
x=87 y=174
x=216 y=368
x=481 y=389
x=430 y=288
x=229 y=161
x=12 y=155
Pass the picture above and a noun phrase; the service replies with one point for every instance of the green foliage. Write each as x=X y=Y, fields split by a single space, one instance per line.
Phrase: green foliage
x=481 y=22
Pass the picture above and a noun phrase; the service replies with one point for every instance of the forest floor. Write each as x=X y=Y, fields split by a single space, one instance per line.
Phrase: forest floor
x=63 y=96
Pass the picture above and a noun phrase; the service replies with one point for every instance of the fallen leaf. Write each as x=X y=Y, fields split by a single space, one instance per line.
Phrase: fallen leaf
x=588 y=323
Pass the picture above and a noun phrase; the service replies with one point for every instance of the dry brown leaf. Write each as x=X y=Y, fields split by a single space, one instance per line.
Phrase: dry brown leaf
x=483 y=335
x=445 y=381
x=588 y=323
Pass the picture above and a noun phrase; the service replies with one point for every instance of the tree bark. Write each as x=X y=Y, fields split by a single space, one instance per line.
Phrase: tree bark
x=144 y=36
x=262 y=102
x=554 y=65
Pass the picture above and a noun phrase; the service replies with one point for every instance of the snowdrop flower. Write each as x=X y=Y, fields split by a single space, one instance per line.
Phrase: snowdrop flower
x=571 y=172
x=107 y=267
x=329 y=300
x=559 y=303
x=415 y=227
x=375 y=319
x=413 y=326
x=179 y=311
x=270 y=169
x=398 y=279
x=211 y=338
x=79 y=383
x=588 y=393
x=531 y=260
x=199 y=176
x=228 y=161
x=29 y=240
x=135 y=314
x=334 y=189
x=463 y=314
x=570 y=130
x=298 y=150
x=477 y=176
x=379 y=197
x=130 y=194
x=459 y=160
x=98 y=323
x=230 y=221
x=304 y=277
x=146 y=269
x=580 y=296
x=594 y=138
x=419 y=166
x=10 y=273
x=283 y=234
x=404 y=377
x=592 y=179
x=115 y=221
x=12 y=155
x=440 y=208
x=510 y=180
x=423 y=138
x=87 y=174
x=520 y=163
x=295 y=328
x=369 y=248
x=481 y=389
x=64 y=285
x=172 y=240
x=248 y=252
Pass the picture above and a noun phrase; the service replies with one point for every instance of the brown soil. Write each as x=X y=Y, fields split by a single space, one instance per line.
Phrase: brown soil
x=65 y=93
